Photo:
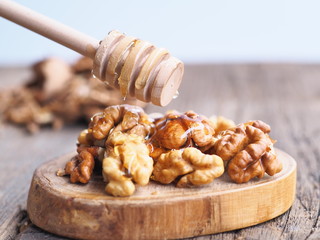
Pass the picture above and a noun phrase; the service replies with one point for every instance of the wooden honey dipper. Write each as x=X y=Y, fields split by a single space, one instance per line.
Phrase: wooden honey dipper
x=134 y=66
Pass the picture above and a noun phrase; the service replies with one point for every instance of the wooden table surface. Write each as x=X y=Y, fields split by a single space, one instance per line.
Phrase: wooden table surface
x=286 y=96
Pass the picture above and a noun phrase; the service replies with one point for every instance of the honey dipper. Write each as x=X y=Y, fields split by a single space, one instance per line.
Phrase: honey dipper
x=134 y=66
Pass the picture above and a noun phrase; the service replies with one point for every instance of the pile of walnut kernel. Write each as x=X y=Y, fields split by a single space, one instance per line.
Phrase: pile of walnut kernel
x=58 y=93
x=186 y=149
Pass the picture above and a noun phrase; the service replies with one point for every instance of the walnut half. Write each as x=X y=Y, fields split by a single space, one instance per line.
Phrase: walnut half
x=195 y=167
x=127 y=161
x=80 y=167
x=180 y=130
x=124 y=118
x=248 y=149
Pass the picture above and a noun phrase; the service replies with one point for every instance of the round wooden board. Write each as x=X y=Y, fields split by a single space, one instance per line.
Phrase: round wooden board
x=155 y=211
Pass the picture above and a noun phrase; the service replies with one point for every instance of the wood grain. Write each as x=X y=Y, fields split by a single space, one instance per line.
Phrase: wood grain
x=286 y=96
x=155 y=211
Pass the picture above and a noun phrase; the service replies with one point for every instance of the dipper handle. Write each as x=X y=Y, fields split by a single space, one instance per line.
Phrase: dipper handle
x=49 y=28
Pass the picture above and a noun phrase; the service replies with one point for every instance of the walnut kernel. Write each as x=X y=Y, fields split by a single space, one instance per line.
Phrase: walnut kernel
x=195 y=167
x=176 y=131
x=221 y=124
x=127 y=161
x=124 y=118
x=80 y=167
x=249 y=151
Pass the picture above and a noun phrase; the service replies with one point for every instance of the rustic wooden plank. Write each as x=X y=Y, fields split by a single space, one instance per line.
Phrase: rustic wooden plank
x=287 y=96
x=21 y=154
x=35 y=233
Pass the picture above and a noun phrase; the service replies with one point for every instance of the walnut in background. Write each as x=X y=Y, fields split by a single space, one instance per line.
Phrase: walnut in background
x=58 y=93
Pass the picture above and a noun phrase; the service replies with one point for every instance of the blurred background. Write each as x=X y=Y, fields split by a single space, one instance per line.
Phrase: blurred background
x=194 y=31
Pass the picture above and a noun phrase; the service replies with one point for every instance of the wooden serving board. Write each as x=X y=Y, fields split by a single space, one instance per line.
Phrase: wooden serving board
x=156 y=211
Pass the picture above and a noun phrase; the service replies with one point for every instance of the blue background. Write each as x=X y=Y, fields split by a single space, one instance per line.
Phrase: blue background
x=194 y=31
